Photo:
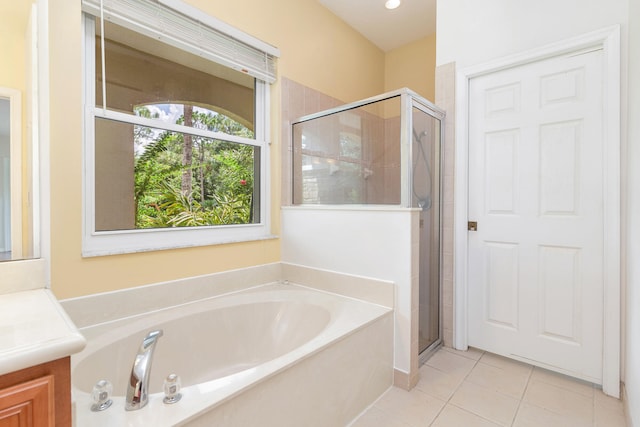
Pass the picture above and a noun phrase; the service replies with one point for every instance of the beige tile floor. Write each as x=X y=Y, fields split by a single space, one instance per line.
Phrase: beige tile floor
x=474 y=388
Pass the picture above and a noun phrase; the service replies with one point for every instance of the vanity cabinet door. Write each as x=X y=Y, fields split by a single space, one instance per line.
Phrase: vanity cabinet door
x=29 y=404
x=14 y=405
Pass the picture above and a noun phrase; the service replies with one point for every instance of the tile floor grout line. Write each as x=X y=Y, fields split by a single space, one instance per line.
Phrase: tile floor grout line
x=593 y=404
x=438 y=414
x=477 y=415
x=386 y=411
x=524 y=391
x=469 y=373
x=465 y=378
x=448 y=401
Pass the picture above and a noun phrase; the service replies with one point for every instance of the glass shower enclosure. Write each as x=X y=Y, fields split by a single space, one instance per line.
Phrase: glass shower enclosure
x=381 y=151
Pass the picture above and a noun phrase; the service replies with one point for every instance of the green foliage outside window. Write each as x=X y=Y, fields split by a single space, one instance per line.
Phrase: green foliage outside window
x=186 y=180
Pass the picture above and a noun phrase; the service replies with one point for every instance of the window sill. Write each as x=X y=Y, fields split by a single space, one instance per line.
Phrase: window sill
x=119 y=243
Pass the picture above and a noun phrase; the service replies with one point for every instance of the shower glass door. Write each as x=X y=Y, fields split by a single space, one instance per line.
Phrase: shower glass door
x=425 y=189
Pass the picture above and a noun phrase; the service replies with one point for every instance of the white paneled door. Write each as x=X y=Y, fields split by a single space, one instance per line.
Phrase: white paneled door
x=535 y=260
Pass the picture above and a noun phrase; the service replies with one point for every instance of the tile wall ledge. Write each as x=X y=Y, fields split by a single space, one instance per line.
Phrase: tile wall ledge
x=376 y=291
x=106 y=307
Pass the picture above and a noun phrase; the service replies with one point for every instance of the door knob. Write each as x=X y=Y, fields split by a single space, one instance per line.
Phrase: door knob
x=472 y=226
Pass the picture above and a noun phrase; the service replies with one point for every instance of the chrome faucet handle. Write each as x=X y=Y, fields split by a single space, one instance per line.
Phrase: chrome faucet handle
x=171 y=387
x=101 y=395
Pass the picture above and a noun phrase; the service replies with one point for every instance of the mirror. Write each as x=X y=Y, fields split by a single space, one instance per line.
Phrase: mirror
x=11 y=167
x=19 y=236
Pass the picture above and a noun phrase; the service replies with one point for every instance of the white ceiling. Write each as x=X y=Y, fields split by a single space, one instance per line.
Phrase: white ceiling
x=387 y=29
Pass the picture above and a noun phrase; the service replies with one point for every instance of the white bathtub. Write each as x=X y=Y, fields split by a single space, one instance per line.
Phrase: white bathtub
x=277 y=354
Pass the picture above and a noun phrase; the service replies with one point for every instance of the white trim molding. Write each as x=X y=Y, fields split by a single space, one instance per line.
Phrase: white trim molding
x=607 y=39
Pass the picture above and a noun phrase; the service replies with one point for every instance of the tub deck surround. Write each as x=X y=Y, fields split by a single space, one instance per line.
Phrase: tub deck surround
x=105 y=307
x=98 y=308
x=381 y=292
x=330 y=388
x=34 y=329
x=256 y=339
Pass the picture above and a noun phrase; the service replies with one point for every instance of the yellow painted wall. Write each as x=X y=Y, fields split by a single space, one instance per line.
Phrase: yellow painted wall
x=412 y=65
x=318 y=50
x=14 y=16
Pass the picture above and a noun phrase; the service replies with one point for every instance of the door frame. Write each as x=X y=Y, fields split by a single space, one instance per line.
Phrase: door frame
x=607 y=39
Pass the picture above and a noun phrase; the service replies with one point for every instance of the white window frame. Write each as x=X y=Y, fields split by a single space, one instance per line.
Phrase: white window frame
x=98 y=243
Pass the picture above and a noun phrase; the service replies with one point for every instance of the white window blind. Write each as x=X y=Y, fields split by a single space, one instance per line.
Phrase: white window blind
x=185 y=27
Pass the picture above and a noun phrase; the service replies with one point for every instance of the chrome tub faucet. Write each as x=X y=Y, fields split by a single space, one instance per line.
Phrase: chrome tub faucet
x=138 y=386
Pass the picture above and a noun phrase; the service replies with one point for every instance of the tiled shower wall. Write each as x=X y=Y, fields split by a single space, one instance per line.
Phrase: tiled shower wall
x=445 y=99
x=297 y=101
x=378 y=126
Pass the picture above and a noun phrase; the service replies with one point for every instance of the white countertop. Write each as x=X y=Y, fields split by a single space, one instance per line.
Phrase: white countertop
x=34 y=329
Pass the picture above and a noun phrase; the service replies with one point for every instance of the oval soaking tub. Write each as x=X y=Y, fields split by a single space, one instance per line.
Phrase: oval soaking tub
x=223 y=348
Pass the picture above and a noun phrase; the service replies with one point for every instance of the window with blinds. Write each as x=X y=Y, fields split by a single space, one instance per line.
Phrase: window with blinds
x=178 y=24
x=176 y=126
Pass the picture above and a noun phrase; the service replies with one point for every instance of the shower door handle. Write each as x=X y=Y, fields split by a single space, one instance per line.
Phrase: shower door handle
x=472 y=226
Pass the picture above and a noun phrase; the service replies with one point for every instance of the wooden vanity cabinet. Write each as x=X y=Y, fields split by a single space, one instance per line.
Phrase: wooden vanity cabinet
x=39 y=396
